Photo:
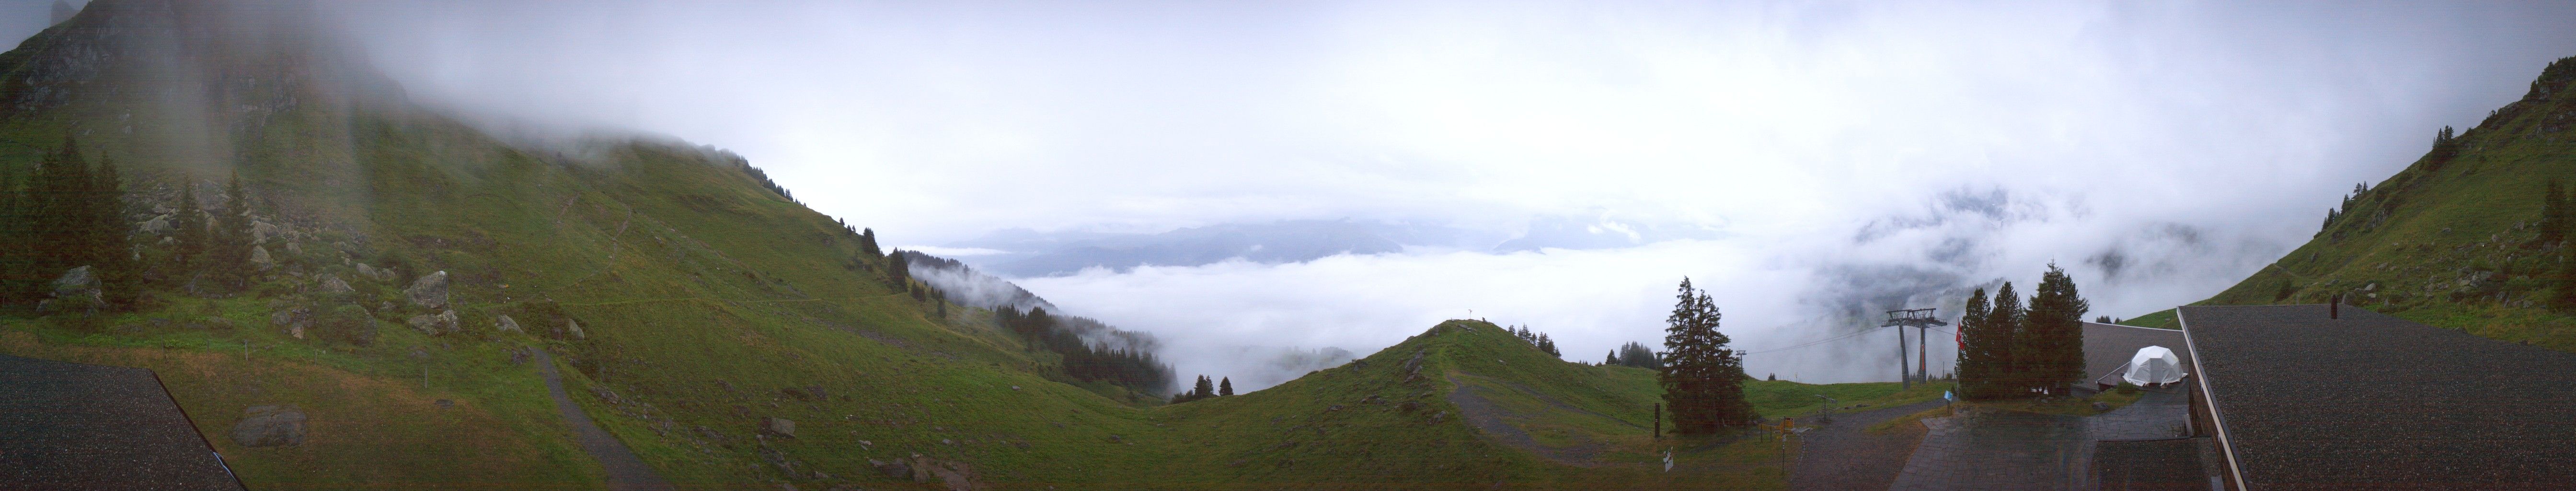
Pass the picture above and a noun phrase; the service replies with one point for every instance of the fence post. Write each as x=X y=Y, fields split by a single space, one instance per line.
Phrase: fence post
x=1659 y=421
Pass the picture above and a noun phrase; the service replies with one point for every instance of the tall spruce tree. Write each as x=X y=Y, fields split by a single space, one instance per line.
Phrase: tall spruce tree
x=1204 y=389
x=120 y=277
x=2053 y=338
x=60 y=209
x=228 y=259
x=1225 y=386
x=2553 y=210
x=1702 y=377
x=16 y=270
x=1613 y=359
x=2003 y=327
x=191 y=237
x=868 y=242
x=1980 y=353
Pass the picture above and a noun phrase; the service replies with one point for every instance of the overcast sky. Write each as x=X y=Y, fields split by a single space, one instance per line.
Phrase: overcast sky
x=1846 y=156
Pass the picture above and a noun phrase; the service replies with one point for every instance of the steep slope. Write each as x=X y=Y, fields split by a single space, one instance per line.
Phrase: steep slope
x=703 y=300
x=2454 y=240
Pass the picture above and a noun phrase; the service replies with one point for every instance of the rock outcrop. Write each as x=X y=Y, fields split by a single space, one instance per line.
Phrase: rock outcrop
x=260 y=232
x=259 y=258
x=76 y=291
x=373 y=272
x=430 y=291
x=331 y=285
x=293 y=319
x=270 y=426
x=778 y=427
x=444 y=322
x=159 y=225
x=505 y=324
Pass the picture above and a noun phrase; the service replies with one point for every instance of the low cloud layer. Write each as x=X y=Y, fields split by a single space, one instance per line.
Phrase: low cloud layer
x=1781 y=293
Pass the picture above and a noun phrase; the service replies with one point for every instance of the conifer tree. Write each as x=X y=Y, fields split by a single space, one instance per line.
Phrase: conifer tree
x=898 y=269
x=868 y=242
x=60 y=211
x=2053 y=337
x=228 y=260
x=1702 y=377
x=1204 y=389
x=2003 y=327
x=190 y=240
x=2553 y=213
x=120 y=278
x=2565 y=298
x=1613 y=359
x=1225 y=386
x=1979 y=356
x=16 y=270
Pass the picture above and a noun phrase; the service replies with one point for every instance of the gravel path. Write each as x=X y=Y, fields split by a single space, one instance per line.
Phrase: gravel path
x=625 y=471
x=1484 y=415
x=1840 y=456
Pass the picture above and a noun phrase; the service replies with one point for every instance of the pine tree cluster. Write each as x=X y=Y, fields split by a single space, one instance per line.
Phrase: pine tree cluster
x=763 y=178
x=1703 y=379
x=1535 y=339
x=1204 y=389
x=1134 y=369
x=2359 y=191
x=2008 y=351
x=64 y=216
x=1635 y=354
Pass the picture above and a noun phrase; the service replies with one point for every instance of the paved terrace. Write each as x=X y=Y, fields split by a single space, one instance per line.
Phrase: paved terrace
x=72 y=426
x=2371 y=401
x=1994 y=450
x=2107 y=348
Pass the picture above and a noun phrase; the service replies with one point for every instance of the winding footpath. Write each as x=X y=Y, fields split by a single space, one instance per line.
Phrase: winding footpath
x=626 y=472
x=1840 y=456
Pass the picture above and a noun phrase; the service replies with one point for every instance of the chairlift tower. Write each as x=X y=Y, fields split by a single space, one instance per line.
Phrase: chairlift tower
x=1922 y=321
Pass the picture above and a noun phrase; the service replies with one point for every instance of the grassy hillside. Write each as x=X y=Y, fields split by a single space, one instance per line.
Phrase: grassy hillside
x=683 y=301
x=2452 y=240
x=2161 y=319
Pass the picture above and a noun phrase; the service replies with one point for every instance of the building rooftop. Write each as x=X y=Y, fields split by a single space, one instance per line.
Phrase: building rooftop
x=72 y=426
x=2370 y=401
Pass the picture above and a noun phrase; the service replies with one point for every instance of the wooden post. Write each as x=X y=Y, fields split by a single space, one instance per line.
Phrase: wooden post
x=2334 y=307
x=1659 y=421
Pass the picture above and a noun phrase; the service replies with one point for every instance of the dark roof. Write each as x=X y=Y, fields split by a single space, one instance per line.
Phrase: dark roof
x=2107 y=347
x=2150 y=465
x=76 y=426
x=2371 y=401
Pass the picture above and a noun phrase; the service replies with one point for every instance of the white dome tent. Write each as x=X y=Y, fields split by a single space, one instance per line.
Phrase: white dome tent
x=2153 y=365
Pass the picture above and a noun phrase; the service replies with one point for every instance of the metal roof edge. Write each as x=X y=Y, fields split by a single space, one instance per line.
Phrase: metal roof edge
x=2225 y=446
